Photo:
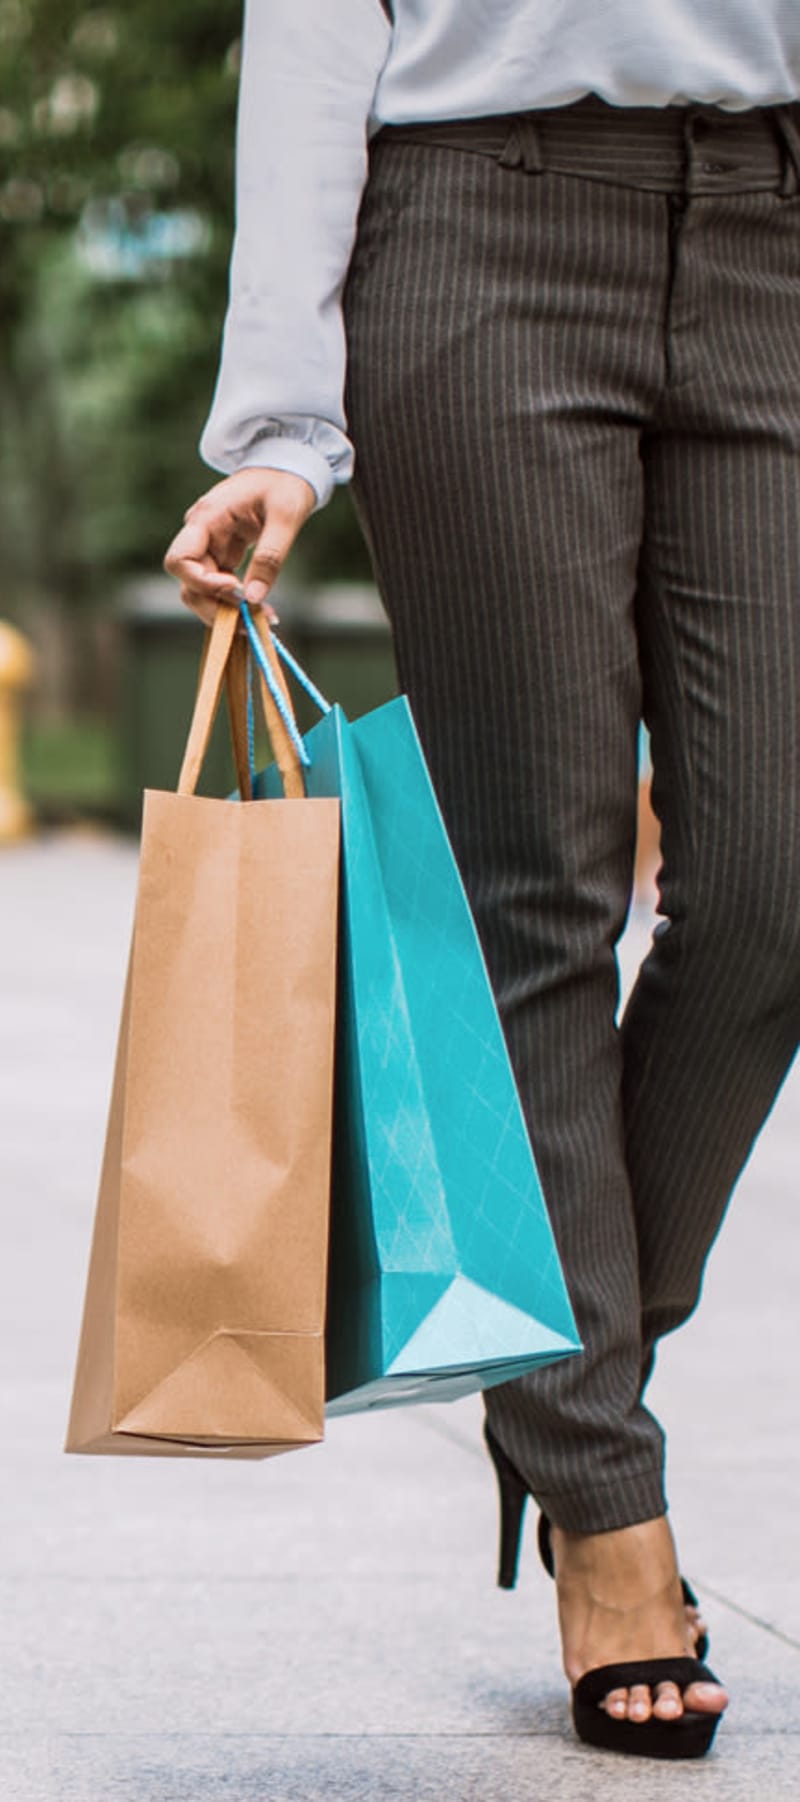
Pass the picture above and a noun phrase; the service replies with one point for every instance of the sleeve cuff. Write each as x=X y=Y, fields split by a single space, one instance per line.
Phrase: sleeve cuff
x=297 y=459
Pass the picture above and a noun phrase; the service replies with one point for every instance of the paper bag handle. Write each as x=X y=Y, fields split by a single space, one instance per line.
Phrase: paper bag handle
x=216 y=662
x=238 y=697
x=236 y=684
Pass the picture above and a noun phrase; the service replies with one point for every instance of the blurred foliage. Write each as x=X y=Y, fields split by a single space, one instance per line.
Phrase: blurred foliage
x=116 y=188
x=72 y=767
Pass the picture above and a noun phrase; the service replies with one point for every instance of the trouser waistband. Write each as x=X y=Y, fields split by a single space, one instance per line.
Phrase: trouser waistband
x=693 y=149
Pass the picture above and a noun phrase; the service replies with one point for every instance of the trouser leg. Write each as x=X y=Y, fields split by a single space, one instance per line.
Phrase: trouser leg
x=713 y=1021
x=500 y=488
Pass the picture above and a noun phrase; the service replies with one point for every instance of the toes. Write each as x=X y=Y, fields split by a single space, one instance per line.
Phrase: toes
x=705 y=1698
x=616 y=1703
x=696 y=1629
x=668 y=1703
x=640 y=1706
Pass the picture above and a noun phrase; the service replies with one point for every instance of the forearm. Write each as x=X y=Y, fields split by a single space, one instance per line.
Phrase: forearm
x=309 y=71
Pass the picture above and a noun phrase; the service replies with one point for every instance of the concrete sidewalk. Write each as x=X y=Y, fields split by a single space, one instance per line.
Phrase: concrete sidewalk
x=326 y=1625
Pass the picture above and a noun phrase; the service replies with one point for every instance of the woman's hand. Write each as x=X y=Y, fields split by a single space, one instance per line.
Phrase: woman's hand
x=260 y=507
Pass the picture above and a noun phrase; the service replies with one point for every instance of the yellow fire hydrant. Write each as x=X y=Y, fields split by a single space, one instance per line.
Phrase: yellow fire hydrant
x=17 y=668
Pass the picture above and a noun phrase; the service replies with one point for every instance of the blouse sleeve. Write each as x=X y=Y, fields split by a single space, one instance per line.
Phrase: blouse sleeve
x=309 y=73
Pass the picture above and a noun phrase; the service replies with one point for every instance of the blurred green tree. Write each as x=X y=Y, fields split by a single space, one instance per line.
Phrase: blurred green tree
x=116 y=187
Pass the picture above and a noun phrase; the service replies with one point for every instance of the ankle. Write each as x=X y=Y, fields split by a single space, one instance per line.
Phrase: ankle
x=619 y=1596
x=642 y=1553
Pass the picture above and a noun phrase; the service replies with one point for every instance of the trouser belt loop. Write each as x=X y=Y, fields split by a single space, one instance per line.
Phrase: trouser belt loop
x=789 y=133
x=690 y=113
x=523 y=146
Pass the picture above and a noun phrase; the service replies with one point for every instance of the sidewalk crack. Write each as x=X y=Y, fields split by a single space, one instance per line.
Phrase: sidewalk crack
x=746 y=1614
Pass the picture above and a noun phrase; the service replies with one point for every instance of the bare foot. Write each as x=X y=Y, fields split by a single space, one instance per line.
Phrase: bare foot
x=619 y=1598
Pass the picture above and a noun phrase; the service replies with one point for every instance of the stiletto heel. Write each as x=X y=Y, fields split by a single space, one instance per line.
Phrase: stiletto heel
x=514 y=1494
x=688 y=1737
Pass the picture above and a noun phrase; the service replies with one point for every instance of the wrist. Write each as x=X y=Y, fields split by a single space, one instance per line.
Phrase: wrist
x=289 y=456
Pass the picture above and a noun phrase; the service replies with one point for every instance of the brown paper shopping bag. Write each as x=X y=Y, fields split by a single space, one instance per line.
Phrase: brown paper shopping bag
x=204 y=1314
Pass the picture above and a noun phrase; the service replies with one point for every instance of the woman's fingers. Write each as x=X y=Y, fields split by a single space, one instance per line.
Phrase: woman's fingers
x=261 y=507
x=191 y=560
x=270 y=554
x=205 y=610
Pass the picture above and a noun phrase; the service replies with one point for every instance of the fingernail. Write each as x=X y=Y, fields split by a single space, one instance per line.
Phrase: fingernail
x=256 y=592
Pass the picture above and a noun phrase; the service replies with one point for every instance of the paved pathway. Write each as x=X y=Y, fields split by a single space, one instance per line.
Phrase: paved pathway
x=325 y=1625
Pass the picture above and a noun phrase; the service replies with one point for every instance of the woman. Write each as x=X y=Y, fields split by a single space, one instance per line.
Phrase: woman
x=567 y=353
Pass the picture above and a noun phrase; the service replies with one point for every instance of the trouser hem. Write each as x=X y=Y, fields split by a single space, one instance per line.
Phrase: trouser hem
x=622 y=1501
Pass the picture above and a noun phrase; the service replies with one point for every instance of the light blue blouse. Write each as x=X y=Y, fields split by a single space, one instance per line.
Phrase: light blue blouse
x=320 y=76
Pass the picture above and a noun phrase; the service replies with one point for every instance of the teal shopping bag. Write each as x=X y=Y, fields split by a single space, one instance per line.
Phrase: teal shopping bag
x=444 y=1275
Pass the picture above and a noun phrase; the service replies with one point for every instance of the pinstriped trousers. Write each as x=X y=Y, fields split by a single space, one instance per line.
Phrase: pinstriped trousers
x=574 y=392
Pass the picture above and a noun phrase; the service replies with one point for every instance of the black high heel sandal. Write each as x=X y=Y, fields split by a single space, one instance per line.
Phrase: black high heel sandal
x=688 y=1737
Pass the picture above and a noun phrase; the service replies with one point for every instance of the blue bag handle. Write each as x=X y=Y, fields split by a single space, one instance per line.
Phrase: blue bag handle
x=274 y=688
x=301 y=676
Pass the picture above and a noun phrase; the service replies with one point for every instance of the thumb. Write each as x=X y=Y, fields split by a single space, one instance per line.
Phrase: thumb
x=269 y=556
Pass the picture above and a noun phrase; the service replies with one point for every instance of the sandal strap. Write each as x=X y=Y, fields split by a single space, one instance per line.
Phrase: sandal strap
x=595 y=1685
